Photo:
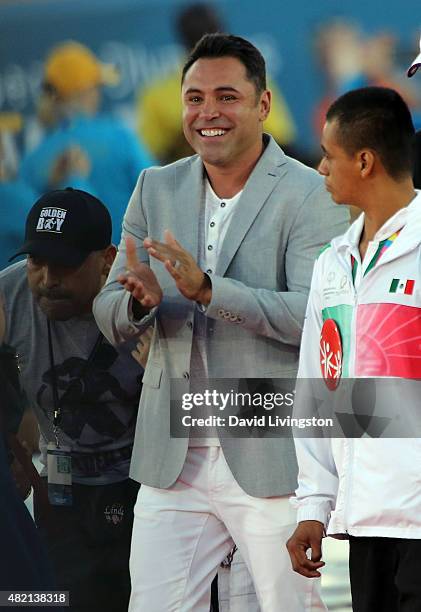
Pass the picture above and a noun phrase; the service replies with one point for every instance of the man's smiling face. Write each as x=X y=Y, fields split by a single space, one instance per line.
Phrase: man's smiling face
x=222 y=111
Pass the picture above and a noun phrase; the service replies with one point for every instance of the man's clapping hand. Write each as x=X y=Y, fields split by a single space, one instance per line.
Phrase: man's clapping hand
x=140 y=281
x=190 y=280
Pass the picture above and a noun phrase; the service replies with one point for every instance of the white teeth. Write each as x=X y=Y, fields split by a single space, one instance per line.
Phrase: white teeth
x=212 y=132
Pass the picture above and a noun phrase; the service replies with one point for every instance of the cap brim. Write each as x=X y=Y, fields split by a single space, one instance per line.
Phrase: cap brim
x=414 y=66
x=61 y=254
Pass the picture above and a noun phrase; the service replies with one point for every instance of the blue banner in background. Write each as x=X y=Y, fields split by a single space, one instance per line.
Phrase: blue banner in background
x=139 y=36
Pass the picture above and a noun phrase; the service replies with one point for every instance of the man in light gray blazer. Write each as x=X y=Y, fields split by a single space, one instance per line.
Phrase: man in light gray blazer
x=217 y=257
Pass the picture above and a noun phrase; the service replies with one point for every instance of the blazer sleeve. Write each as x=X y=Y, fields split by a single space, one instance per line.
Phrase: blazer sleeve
x=280 y=315
x=112 y=306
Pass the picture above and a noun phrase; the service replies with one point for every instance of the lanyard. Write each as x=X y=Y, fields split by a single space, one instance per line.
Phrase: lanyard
x=383 y=246
x=59 y=401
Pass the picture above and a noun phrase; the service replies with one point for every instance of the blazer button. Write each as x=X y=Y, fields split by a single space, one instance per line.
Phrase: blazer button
x=186 y=375
x=189 y=324
x=221 y=312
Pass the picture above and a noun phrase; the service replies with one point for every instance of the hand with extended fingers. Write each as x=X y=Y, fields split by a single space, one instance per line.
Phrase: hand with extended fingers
x=308 y=534
x=189 y=278
x=140 y=280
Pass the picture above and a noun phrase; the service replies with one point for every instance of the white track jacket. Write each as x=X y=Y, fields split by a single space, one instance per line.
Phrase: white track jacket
x=366 y=486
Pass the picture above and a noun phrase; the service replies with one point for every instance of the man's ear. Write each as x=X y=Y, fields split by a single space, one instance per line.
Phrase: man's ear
x=109 y=255
x=366 y=160
x=265 y=104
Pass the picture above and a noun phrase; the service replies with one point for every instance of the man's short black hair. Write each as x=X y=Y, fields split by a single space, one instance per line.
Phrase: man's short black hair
x=376 y=118
x=214 y=46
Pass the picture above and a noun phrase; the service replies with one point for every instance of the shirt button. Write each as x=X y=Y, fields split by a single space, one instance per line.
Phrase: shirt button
x=186 y=375
x=209 y=271
x=210 y=247
x=223 y=204
x=212 y=223
x=189 y=324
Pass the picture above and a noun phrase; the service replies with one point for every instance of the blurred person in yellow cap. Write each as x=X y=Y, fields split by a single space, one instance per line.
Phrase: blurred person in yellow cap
x=72 y=67
x=159 y=104
x=83 y=147
x=73 y=72
x=417 y=169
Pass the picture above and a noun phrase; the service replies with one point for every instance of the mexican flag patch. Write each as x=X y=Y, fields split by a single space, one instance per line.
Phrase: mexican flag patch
x=402 y=285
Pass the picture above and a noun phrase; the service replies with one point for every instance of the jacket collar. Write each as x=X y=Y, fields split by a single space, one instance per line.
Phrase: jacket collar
x=407 y=219
x=189 y=190
x=270 y=168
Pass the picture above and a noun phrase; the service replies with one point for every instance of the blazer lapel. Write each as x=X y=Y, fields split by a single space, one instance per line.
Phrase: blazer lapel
x=262 y=181
x=188 y=200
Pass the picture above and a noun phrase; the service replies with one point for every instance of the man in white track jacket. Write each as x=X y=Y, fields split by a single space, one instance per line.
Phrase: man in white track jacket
x=367 y=283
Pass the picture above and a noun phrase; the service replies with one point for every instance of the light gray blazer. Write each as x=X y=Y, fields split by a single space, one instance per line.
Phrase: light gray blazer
x=259 y=294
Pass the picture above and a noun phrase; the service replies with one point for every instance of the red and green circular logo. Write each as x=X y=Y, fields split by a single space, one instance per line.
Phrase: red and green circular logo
x=331 y=354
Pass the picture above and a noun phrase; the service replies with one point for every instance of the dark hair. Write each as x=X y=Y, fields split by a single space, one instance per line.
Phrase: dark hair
x=196 y=20
x=213 y=46
x=379 y=119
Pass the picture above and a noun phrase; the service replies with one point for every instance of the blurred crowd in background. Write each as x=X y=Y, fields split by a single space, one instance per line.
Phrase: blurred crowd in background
x=68 y=133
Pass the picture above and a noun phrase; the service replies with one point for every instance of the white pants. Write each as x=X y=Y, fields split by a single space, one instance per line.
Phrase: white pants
x=181 y=535
x=235 y=587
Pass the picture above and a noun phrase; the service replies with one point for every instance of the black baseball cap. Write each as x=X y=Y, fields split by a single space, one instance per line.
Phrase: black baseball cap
x=66 y=225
